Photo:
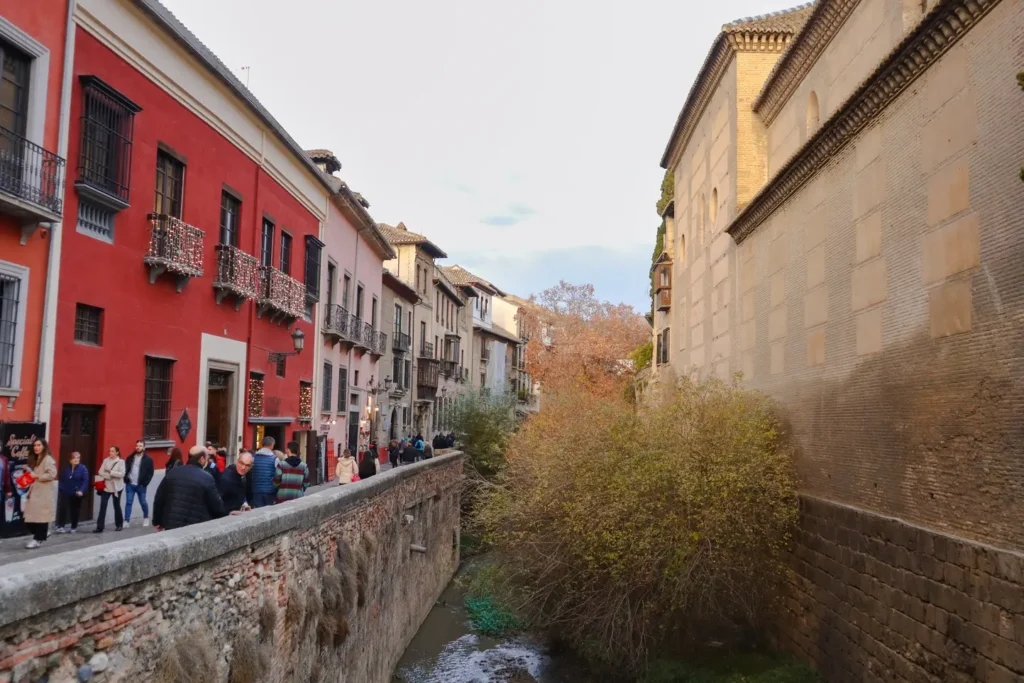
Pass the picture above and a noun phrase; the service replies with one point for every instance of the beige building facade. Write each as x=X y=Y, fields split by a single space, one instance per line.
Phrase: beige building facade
x=844 y=234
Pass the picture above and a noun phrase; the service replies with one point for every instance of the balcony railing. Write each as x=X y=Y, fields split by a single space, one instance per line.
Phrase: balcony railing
x=338 y=323
x=174 y=247
x=426 y=350
x=400 y=342
x=237 y=275
x=427 y=371
x=380 y=343
x=449 y=368
x=31 y=179
x=280 y=295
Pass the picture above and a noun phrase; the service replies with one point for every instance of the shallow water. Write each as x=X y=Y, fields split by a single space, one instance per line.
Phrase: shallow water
x=446 y=650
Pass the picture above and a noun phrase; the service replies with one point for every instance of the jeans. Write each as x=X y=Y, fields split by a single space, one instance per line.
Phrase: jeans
x=134 y=490
x=263 y=499
x=102 y=518
x=67 y=510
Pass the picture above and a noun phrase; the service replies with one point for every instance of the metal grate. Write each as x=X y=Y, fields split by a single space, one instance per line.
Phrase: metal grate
x=157 y=408
x=281 y=368
x=108 y=124
x=328 y=393
x=10 y=289
x=87 y=324
x=95 y=221
x=342 y=388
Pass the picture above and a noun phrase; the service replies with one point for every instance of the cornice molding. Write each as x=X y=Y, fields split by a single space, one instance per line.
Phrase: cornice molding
x=787 y=74
x=942 y=28
x=727 y=44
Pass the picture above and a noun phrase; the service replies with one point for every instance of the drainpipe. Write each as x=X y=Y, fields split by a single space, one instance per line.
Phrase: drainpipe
x=48 y=339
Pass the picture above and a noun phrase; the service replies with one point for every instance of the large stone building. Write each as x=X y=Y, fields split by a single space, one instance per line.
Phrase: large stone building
x=844 y=234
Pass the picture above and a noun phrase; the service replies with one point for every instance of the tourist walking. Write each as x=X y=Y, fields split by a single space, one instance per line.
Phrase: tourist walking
x=393 y=453
x=408 y=453
x=235 y=484
x=71 y=489
x=138 y=474
x=110 y=484
x=347 y=469
x=174 y=459
x=369 y=465
x=211 y=462
x=188 y=495
x=292 y=476
x=42 y=493
x=264 y=469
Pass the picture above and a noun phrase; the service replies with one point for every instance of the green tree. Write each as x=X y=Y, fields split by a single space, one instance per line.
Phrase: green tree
x=483 y=425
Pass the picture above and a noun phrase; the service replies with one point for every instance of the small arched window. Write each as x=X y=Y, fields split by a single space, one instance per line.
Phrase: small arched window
x=714 y=206
x=813 y=114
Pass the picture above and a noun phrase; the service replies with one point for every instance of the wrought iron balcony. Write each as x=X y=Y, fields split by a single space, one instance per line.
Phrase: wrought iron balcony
x=237 y=275
x=31 y=181
x=426 y=349
x=175 y=247
x=400 y=342
x=380 y=343
x=427 y=371
x=280 y=295
x=338 y=324
x=450 y=368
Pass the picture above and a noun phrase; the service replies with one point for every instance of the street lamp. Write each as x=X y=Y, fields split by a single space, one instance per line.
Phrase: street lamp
x=298 y=341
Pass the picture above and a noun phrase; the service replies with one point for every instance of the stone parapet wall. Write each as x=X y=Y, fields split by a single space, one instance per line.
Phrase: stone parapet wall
x=331 y=587
x=876 y=599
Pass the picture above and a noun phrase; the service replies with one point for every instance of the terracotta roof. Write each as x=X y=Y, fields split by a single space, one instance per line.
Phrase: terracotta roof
x=785 y=23
x=442 y=281
x=462 y=277
x=399 y=234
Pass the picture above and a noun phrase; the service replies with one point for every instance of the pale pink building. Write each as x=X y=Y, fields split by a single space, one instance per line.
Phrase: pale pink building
x=351 y=337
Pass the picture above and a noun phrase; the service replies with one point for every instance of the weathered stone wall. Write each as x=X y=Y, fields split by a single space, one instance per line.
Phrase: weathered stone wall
x=328 y=588
x=876 y=599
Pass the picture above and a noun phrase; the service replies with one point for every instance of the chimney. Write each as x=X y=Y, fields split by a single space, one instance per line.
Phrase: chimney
x=325 y=160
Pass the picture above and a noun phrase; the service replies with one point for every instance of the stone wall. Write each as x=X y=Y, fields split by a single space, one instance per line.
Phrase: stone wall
x=876 y=599
x=328 y=588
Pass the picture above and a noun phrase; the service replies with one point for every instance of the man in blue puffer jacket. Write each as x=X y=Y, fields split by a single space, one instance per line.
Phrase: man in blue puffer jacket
x=264 y=467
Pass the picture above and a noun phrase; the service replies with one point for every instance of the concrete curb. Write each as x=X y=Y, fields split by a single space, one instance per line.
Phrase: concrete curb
x=38 y=585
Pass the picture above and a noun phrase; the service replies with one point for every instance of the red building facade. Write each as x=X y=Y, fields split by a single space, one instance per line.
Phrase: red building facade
x=186 y=252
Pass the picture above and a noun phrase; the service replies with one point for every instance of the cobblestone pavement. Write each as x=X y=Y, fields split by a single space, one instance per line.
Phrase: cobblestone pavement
x=13 y=549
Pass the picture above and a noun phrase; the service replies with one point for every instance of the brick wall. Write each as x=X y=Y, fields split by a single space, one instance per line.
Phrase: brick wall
x=124 y=606
x=875 y=599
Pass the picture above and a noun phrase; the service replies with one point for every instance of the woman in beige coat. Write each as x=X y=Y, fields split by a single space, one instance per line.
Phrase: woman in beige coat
x=41 y=506
x=111 y=473
x=347 y=468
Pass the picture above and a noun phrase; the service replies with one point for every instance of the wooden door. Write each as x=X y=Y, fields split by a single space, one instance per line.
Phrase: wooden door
x=78 y=427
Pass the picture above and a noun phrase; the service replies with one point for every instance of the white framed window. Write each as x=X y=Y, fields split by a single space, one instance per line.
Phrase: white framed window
x=35 y=124
x=13 y=302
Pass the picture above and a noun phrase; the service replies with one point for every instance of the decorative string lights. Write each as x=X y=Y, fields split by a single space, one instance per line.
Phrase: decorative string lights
x=305 y=401
x=282 y=292
x=238 y=271
x=175 y=245
x=255 y=396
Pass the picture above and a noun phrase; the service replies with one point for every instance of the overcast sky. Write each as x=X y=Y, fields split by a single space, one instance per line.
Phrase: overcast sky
x=522 y=137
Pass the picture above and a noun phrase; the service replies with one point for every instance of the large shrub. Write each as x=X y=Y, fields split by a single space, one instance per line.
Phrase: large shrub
x=482 y=426
x=624 y=532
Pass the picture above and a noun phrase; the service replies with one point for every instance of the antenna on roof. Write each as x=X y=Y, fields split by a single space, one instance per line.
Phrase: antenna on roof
x=246 y=70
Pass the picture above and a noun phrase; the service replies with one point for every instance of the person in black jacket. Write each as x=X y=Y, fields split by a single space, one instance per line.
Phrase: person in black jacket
x=138 y=472
x=235 y=484
x=187 y=495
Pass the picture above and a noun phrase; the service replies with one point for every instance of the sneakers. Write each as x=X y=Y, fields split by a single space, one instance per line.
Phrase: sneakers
x=145 y=521
x=127 y=523
x=73 y=530
x=60 y=530
x=33 y=544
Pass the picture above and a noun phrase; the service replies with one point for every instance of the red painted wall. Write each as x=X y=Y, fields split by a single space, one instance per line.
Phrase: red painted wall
x=44 y=20
x=153 y=319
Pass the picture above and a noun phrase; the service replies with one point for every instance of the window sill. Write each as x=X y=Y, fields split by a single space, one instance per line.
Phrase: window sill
x=94 y=345
x=159 y=443
x=100 y=197
x=10 y=392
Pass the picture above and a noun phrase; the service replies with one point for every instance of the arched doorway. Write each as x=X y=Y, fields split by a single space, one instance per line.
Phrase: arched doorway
x=393 y=432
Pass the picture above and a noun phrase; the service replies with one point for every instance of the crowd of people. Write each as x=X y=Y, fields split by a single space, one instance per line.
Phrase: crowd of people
x=193 y=490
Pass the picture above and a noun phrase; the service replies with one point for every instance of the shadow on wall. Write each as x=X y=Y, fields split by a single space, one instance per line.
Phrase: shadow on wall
x=929 y=432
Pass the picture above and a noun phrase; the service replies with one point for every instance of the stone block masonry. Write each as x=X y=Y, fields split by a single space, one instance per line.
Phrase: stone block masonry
x=326 y=588
x=876 y=599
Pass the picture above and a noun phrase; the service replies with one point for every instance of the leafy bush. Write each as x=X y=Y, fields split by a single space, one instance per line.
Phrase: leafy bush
x=483 y=425
x=629 y=532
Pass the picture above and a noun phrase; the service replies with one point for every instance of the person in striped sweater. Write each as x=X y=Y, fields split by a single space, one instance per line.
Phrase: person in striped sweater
x=292 y=475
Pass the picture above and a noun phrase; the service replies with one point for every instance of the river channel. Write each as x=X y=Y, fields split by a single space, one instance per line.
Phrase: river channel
x=447 y=650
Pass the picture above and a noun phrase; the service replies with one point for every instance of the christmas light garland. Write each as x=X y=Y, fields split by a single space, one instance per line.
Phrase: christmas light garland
x=176 y=245
x=238 y=271
x=255 y=396
x=305 y=401
x=282 y=292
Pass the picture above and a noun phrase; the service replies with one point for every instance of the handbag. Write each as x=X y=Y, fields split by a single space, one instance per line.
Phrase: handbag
x=100 y=484
x=25 y=480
